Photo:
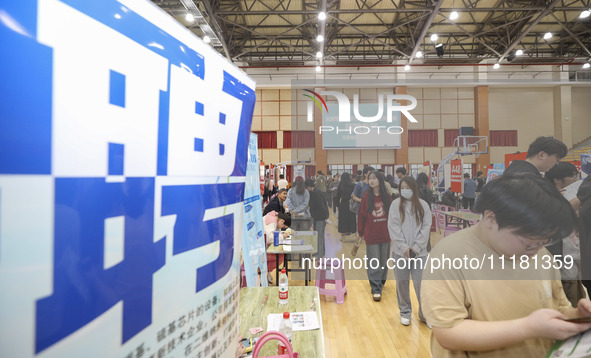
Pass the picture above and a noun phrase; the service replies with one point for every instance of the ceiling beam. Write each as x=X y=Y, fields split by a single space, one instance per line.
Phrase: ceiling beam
x=424 y=30
x=529 y=28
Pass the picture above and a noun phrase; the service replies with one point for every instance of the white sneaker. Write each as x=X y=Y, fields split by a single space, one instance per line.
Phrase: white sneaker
x=377 y=297
x=405 y=321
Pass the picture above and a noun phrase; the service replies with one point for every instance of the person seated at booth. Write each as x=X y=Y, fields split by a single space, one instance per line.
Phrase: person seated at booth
x=272 y=222
x=277 y=203
x=495 y=310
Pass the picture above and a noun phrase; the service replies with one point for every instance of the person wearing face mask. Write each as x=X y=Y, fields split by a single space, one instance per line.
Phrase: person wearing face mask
x=409 y=225
x=372 y=226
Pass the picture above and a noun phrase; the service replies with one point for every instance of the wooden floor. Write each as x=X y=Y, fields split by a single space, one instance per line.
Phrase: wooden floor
x=361 y=327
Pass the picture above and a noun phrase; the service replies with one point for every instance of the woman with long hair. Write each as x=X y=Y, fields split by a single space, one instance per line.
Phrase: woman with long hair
x=297 y=202
x=409 y=224
x=372 y=226
x=347 y=223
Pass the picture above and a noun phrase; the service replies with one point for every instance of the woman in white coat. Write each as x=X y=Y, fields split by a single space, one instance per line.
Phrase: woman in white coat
x=409 y=223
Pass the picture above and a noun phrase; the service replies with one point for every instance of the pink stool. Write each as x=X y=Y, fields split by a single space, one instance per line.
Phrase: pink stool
x=323 y=275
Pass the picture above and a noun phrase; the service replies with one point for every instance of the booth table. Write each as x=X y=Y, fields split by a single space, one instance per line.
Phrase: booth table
x=463 y=217
x=256 y=303
x=310 y=238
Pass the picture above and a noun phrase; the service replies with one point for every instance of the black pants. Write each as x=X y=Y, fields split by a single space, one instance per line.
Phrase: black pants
x=468 y=203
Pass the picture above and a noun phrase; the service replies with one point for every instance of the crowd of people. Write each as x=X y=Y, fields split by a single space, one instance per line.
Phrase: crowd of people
x=526 y=212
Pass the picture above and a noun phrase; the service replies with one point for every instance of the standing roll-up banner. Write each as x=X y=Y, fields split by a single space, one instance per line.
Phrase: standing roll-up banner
x=123 y=155
x=299 y=171
x=457 y=181
x=253 y=238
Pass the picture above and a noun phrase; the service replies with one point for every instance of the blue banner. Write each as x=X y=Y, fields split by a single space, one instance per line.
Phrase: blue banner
x=123 y=151
x=253 y=238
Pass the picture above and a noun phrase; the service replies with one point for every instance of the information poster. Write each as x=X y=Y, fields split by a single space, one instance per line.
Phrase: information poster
x=123 y=151
x=457 y=181
x=253 y=238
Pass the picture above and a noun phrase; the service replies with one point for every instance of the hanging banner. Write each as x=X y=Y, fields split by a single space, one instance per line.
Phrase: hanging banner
x=457 y=182
x=123 y=151
x=299 y=171
x=253 y=237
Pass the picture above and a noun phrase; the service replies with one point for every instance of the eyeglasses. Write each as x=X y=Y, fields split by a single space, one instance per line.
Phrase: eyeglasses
x=536 y=244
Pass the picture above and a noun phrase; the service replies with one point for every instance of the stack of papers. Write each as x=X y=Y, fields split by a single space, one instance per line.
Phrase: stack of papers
x=300 y=321
x=288 y=248
x=293 y=242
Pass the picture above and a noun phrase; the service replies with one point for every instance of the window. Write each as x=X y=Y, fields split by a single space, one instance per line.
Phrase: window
x=467 y=168
x=414 y=170
x=503 y=138
x=423 y=138
x=340 y=169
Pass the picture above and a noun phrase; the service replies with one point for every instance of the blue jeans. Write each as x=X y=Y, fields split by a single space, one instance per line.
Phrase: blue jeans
x=320 y=225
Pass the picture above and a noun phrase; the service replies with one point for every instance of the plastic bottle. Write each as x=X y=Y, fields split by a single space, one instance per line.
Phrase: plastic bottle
x=286 y=329
x=283 y=288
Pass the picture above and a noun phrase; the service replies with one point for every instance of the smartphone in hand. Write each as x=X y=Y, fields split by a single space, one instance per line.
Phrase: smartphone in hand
x=412 y=254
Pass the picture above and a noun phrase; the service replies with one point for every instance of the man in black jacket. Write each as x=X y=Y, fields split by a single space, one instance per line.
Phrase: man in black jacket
x=276 y=204
x=542 y=154
x=319 y=214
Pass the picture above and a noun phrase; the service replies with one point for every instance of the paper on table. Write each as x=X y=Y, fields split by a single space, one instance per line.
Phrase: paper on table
x=293 y=242
x=298 y=248
x=300 y=321
x=570 y=192
x=302 y=233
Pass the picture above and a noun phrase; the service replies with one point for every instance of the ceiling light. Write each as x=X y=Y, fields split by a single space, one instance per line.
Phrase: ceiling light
x=518 y=52
x=547 y=36
x=407 y=68
x=318 y=54
x=319 y=38
x=322 y=16
x=434 y=37
x=419 y=54
x=496 y=66
x=189 y=17
x=206 y=39
x=586 y=65
x=318 y=68
x=454 y=15
x=439 y=50
x=585 y=14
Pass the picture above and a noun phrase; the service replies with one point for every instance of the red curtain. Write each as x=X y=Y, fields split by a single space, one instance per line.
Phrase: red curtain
x=450 y=135
x=298 y=139
x=503 y=138
x=310 y=171
x=289 y=173
x=423 y=138
x=267 y=140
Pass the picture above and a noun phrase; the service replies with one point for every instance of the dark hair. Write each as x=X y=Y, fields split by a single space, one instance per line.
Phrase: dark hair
x=386 y=197
x=319 y=172
x=479 y=173
x=401 y=170
x=359 y=178
x=281 y=191
x=359 y=172
x=380 y=170
x=345 y=179
x=466 y=175
x=285 y=217
x=416 y=207
x=529 y=206
x=368 y=170
x=390 y=180
x=422 y=179
x=560 y=171
x=300 y=189
x=309 y=183
x=329 y=172
x=281 y=176
x=548 y=145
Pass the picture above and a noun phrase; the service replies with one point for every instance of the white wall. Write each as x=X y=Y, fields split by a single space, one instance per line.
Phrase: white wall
x=581 y=112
